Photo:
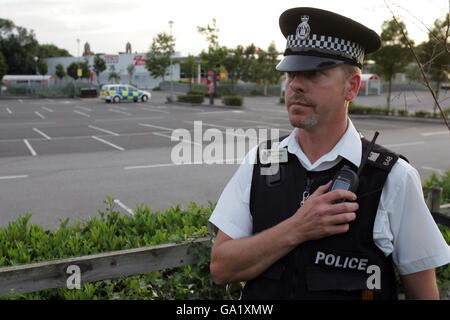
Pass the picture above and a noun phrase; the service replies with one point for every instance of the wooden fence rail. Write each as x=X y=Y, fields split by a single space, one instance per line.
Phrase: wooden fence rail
x=110 y=265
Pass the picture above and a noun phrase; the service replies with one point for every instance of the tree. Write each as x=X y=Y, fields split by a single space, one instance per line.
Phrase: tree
x=232 y=62
x=42 y=67
x=211 y=33
x=248 y=56
x=394 y=55
x=51 y=51
x=99 y=66
x=189 y=68
x=216 y=55
x=19 y=47
x=263 y=68
x=3 y=67
x=158 y=57
x=434 y=56
x=130 y=70
x=72 y=70
x=113 y=74
x=60 y=73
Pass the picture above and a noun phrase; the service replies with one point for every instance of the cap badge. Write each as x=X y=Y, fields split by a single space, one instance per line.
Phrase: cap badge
x=303 y=28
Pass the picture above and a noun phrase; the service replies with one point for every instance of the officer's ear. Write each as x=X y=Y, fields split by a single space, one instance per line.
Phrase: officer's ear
x=352 y=84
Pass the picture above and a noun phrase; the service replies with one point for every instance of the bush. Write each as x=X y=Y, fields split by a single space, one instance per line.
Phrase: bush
x=403 y=113
x=233 y=100
x=200 y=92
x=423 y=114
x=442 y=273
x=443 y=181
x=22 y=242
x=356 y=109
x=191 y=98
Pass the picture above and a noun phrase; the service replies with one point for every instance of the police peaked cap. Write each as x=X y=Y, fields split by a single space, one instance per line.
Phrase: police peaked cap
x=319 y=39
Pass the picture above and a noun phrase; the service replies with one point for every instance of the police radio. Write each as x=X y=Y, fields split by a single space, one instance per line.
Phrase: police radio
x=346 y=178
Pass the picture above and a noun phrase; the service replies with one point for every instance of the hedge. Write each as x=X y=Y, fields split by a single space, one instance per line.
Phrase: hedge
x=22 y=242
x=191 y=98
x=233 y=100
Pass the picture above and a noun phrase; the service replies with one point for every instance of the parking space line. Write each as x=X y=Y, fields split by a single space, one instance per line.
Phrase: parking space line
x=103 y=130
x=124 y=206
x=33 y=153
x=8 y=110
x=47 y=109
x=42 y=133
x=253 y=121
x=440 y=171
x=128 y=119
x=210 y=125
x=108 y=143
x=24 y=123
x=426 y=134
x=14 y=177
x=82 y=113
x=118 y=111
x=403 y=144
x=84 y=108
x=40 y=115
x=120 y=108
x=160 y=111
x=170 y=137
x=156 y=127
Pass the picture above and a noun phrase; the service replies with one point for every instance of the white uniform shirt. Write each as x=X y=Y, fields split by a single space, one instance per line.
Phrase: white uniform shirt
x=403 y=224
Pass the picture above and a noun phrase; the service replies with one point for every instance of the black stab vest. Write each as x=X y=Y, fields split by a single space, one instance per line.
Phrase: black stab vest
x=335 y=267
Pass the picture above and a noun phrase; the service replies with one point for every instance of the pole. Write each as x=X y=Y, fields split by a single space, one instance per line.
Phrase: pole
x=171 y=66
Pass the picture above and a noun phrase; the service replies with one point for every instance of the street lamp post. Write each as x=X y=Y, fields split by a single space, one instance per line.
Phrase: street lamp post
x=35 y=64
x=171 y=67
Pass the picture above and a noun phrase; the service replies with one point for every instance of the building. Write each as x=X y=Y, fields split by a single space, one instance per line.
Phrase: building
x=140 y=77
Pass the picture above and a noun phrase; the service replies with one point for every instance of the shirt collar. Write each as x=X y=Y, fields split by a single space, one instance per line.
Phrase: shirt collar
x=348 y=147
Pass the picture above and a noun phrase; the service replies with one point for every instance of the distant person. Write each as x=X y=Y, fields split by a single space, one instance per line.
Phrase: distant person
x=287 y=234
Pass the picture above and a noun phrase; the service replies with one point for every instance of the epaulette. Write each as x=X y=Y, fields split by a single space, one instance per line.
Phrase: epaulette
x=380 y=156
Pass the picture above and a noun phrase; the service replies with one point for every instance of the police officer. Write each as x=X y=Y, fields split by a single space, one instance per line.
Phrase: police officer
x=288 y=234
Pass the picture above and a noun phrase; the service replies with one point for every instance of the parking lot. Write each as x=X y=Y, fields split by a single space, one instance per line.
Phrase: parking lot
x=59 y=158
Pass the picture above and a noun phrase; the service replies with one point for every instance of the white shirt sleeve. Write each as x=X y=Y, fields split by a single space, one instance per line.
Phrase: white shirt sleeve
x=232 y=213
x=404 y=225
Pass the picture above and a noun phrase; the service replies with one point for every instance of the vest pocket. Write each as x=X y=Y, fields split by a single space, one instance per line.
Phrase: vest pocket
x=318 y=279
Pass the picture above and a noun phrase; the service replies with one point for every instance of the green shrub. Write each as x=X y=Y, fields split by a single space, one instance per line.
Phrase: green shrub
x=22 y=242
x=442 y=273
x=403 y=113
x=443 y=181
x=192 y=98
x=233 y=100
x=356 y=109
x=423 y=114
x=196 y=92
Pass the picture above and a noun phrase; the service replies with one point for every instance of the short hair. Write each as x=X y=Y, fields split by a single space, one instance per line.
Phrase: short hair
x=350 y=69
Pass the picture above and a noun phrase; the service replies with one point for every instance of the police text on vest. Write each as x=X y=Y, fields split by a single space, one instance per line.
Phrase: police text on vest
x=331 y=260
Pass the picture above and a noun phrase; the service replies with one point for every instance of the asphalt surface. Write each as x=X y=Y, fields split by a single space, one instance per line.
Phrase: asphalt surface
x=59 y=158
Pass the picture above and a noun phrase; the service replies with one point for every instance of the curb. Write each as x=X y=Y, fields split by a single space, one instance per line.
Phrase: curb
x=219 y=106
x=397 y=118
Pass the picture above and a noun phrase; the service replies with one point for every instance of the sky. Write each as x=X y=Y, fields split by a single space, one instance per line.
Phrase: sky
x=107 y=25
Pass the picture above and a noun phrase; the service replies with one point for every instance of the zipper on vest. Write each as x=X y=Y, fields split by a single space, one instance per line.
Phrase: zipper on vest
x=305 y=195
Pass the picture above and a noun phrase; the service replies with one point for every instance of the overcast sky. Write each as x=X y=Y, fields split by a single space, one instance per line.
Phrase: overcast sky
x=108 y=24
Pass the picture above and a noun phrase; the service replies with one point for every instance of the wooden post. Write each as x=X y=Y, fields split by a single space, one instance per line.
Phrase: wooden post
x=434 y=198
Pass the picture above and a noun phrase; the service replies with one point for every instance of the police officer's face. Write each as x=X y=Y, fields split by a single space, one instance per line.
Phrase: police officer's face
x=314 y=98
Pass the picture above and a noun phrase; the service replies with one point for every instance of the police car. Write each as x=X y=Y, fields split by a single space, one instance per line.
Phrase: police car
x=122 y=92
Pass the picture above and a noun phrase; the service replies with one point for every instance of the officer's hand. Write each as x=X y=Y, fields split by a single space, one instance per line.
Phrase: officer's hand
x=319 y=217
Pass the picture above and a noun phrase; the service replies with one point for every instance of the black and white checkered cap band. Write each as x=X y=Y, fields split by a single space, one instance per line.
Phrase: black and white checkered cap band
x=329 y=45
